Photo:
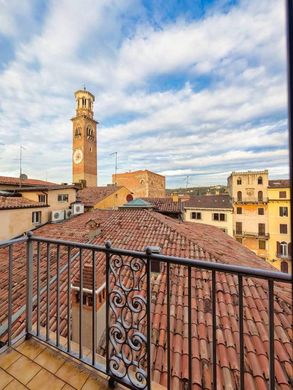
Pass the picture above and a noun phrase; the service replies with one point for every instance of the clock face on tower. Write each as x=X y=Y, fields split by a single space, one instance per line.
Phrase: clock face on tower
x=77 y=156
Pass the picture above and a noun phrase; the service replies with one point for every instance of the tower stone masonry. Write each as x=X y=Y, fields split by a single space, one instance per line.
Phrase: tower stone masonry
x=84 y=145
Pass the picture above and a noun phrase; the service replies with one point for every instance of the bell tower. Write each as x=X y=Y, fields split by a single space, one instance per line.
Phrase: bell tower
x=84 y=156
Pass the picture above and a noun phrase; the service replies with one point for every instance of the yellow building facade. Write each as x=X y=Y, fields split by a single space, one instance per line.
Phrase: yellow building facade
x=215 y=210
x=108 y=197
x=249 y=194
x=279 y=251
x=15 y=221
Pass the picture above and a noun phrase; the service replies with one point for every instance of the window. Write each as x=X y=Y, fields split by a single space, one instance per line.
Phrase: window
x=261 y=244
x=261 y=229
x=63 y=198
x=42 y=198
x=261 y=211
x=283 y=249
x=283 y=211
x=219 y=217
x=259 y=180
x=260 y=195
x=90 y=301
x=239 y=210
x=238 y=227
x=283 y=228
x=89 y=132
x=195 y=215
x=282 y=194
x=36 y=217
x=239 y=195
x=239 y=181
x=77 y=132
x=284 y=267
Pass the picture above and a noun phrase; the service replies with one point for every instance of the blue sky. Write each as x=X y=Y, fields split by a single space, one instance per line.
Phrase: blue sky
x=186 y=87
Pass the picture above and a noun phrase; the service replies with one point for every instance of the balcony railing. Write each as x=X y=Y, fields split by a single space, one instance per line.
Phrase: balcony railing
x=262 y=235
x=40 y=298
x=250 y=200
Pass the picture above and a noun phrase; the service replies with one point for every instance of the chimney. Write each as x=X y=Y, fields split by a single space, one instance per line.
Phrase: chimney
x=175 y=197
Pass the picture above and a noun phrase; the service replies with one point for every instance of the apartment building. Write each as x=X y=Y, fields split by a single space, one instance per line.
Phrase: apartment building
x=279 y=252
x=215 y=210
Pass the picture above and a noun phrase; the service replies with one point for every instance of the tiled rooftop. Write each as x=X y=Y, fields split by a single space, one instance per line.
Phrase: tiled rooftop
x=164 y=205
x=210 y=202
x=279 y=183
x=136 y=229
x=14 y=202
x=50 y=187
x=36 y=366
x=6 y=180
x=90 y=196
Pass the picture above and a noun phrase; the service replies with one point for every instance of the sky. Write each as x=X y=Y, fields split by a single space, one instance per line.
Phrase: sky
x=185 y=88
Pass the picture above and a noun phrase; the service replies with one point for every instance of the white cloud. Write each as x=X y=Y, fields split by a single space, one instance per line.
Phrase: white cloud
x=189 y=130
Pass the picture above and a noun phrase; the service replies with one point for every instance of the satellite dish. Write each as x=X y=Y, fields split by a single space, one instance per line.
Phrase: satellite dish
x=23 y=176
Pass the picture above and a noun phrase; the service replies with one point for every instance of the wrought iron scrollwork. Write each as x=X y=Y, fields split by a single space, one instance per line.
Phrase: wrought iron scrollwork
x=127 y=352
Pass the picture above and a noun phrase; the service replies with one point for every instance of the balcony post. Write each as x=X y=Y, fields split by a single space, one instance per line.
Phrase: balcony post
x=149 y=251
x=29 y=284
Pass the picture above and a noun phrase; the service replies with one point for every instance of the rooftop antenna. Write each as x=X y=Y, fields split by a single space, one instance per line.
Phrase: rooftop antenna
x=116 y=166
x=21 y=148
x=84 y=88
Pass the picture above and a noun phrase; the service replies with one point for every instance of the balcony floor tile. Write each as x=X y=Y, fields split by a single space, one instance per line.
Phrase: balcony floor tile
x=34 y=365
x=15 y=385
x=46 y=381
x=5 y=378
x=23 y=369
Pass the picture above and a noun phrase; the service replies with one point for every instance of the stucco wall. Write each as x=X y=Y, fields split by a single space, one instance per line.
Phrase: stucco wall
x=53 y=200
x=114 y=200
x=249 y=185
x=274 y=224
x=207 y=218
x=17 y=221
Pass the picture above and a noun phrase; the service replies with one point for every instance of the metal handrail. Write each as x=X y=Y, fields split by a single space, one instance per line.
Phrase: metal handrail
x=121 y=258
x=220 y=267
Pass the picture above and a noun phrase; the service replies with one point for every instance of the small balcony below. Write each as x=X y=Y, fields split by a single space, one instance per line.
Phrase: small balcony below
x=250 y=200
x=260 y=235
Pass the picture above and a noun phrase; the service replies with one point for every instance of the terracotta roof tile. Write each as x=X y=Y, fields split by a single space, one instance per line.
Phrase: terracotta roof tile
x=164 y=205
x=6 y=180
x=279 y=183
x=90 y=196
x=210 y=202
x=14 y=202
x=143 y=227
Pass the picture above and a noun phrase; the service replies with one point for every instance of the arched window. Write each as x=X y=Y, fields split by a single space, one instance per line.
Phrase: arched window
x=260 y=195
x=77 y=132
x=239 y=195
x=284 y=248
x=239 y=181
x=259 y=180
x=284 y=267
x=83 y=102
x=90 y=133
